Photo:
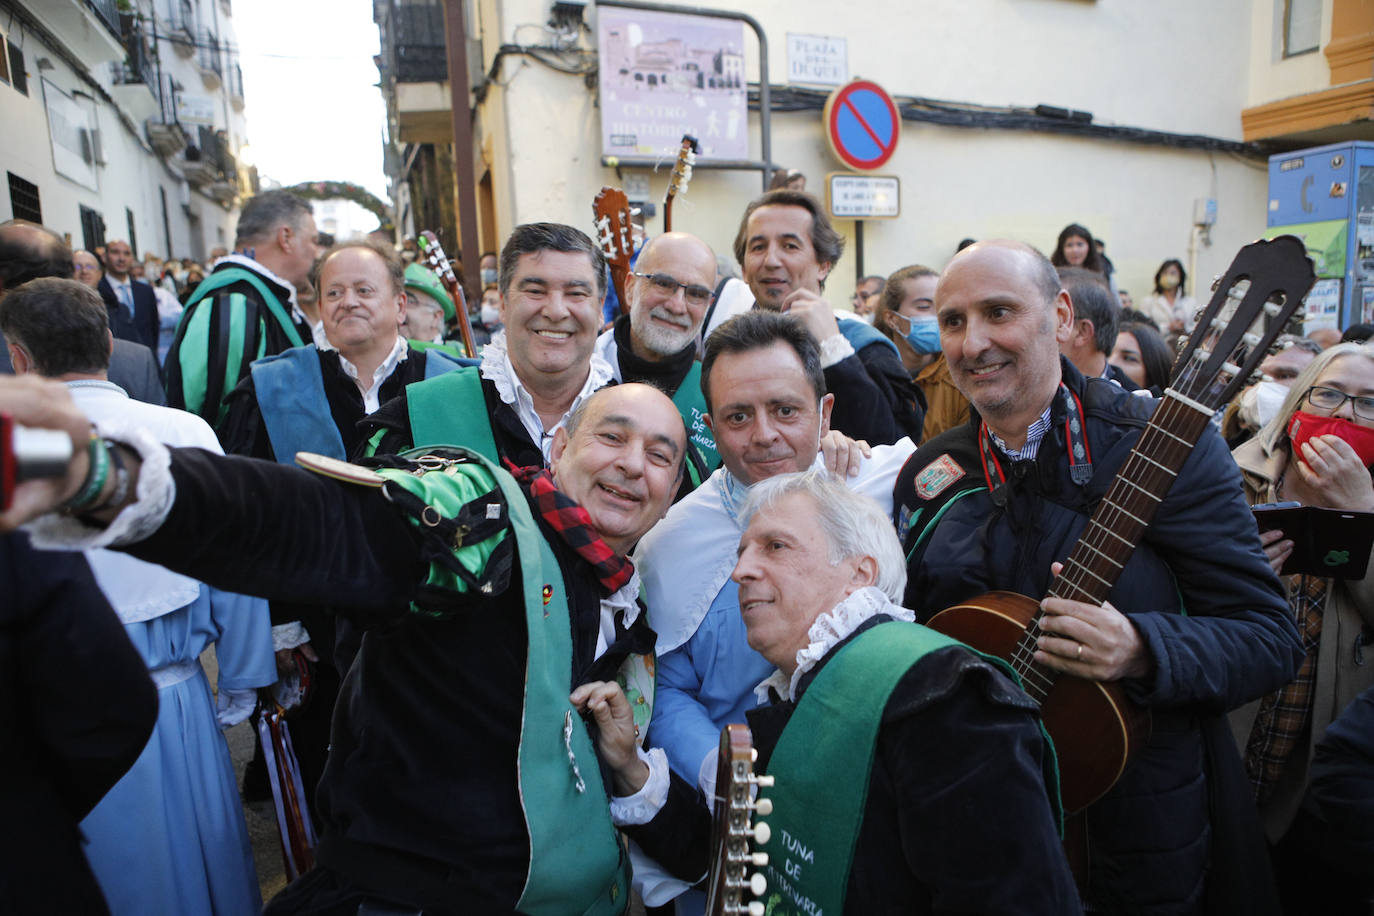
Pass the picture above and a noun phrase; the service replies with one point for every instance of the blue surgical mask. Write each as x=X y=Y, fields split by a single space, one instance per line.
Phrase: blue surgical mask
x=923 y=334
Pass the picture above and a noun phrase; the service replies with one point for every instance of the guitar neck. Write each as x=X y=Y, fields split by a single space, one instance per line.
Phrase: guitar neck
x=1119 y=522
x=668 y=213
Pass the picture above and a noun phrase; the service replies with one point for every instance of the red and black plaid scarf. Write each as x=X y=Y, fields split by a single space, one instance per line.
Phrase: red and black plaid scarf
x=575 y=527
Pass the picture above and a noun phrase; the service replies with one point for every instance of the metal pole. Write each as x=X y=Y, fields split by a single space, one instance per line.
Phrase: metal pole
x=858 y=251
x=765 y=99
x=465 y=178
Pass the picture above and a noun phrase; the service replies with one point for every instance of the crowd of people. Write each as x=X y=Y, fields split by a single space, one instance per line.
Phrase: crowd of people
x=514 y=595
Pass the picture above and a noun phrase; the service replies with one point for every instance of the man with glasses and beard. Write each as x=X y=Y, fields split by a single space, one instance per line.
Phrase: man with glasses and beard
x=656 y=342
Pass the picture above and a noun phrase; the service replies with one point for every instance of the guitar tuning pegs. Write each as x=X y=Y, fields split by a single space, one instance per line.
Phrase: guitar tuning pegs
x=757 y=884
x=763 y=781
x=762 y=833
x=753 y=755
x=756 y=908
x=758 y=859
x=764 y=806
x=1216 y=282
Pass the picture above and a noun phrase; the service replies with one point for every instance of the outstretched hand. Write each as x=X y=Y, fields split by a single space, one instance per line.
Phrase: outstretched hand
x=843 y=456
x=43 y=404
x=616 y=739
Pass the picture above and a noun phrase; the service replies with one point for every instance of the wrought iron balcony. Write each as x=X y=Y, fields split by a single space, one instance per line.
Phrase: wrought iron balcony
x=139 y=66
x=418 y=53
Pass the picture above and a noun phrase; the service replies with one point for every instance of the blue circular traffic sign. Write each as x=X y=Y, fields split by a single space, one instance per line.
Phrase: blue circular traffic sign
x=862 y=124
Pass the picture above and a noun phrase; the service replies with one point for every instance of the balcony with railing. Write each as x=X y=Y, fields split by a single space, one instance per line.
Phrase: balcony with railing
x=236 y=86
x=165 y=131
x=418 y=54
x=182 y=29
x=210 y=60
x=89 y=28
x=211 y=167
x=135 y=78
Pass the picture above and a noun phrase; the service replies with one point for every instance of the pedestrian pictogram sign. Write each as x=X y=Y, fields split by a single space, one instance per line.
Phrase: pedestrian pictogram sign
x=862 y=124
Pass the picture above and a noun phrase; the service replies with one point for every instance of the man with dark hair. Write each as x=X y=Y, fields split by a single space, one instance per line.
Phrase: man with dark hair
x=657 y=340
x=246 y=308
x=866 y=289
x=463 y=776
x=532 y=375
x=1195 y=624
x=1095 y=316
x=28 y=251
x=765 y=391
x=132 y=303
x=788 y=248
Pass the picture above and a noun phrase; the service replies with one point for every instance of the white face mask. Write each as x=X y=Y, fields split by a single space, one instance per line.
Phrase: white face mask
x=1269 y=397
x=490 y=314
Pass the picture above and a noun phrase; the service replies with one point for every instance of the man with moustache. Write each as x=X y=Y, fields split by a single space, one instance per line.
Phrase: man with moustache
x=1196 y=623
x=787 y=249
x=462 y=777
x=669 y=292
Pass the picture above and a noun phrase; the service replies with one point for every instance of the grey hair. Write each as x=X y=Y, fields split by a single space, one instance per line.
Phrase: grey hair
x=266 y=212
x=853 y=524
x=1275 y=434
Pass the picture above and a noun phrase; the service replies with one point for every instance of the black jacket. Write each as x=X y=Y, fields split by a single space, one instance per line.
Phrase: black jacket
x=244 y=432
x=1198 y=589
x=142 y=327
x=875 y=398
x=957 y=818
x=76 y=708
x=422 y=771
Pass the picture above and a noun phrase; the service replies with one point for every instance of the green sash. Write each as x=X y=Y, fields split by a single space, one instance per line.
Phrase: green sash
x=822 y=765
x=576 y=865
x=194 y=336
x=690 y=402
x=450 y=410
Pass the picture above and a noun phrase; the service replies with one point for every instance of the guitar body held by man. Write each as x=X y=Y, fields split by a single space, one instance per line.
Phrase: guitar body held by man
x=1195 y=622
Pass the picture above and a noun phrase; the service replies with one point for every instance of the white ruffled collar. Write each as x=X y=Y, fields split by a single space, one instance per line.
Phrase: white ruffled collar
x=827 y=631
x=496 y=367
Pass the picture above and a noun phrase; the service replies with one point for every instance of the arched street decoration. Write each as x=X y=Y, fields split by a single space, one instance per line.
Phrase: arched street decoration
x=345 y=190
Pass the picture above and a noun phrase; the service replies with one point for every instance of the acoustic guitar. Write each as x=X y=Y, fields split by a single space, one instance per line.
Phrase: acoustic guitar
x=729 y=886
x=1095 y=728
x=438 y=262
x=681 y=176
x=611 y=208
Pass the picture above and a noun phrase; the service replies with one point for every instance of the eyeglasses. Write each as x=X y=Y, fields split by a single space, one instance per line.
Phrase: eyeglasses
x=1332 y=400
x=668 y=285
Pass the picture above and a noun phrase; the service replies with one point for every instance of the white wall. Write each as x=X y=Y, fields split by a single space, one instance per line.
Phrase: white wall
x=132 y=175
x=1274 y=77
x=1172 y=65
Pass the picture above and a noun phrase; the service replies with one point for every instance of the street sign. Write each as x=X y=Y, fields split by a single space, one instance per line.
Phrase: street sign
x=851 y=196
x=817 y=59
x=862 y=125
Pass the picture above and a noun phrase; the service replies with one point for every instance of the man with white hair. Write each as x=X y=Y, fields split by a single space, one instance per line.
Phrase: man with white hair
x=955 y=804
x=769 y=407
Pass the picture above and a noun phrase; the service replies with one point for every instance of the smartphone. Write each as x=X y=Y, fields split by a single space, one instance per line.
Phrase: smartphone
x=27 y=454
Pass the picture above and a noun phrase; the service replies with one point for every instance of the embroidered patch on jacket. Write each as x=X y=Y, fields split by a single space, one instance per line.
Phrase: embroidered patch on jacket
x=936 y=477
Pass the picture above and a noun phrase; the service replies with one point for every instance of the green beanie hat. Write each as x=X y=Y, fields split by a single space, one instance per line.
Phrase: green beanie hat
x=421 y=278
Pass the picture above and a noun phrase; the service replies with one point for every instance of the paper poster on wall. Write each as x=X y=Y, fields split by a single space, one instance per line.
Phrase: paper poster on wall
x=1323 y=306
x=71 y=128
x=663 y=75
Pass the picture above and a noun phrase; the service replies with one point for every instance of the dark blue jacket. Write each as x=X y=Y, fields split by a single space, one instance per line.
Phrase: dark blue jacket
x=1198 y=589
x=142 y=327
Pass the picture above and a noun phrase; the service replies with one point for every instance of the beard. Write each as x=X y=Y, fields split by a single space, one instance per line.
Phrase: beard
x=662 y=340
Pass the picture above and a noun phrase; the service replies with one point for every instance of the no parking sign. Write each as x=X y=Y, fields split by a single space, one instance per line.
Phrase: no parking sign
x=862 y=125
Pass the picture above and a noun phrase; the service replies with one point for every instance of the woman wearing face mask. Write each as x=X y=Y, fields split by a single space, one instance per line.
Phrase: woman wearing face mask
x=1316 y=451
x=1168 y=306
x=906 y=314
